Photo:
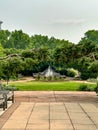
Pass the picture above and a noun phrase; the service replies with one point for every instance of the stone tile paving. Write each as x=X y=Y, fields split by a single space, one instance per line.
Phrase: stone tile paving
x=55 y=96
x=53 y=116
x=42 y=110
x=7 y=113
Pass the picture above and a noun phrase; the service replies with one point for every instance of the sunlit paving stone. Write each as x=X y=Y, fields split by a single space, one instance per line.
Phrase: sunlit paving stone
x=53 y=116
x=73 y=107
x=88 y=107
x=84 y=127
x=60 y=125
x=38 y=127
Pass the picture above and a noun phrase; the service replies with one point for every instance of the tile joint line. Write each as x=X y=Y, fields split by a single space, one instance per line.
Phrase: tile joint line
x=69 y=116
x=87 y=114
x=29 y=116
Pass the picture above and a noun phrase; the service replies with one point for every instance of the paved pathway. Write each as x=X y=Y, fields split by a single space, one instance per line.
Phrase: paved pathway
x=55 y=96
x=53 y=116
x=52 y=110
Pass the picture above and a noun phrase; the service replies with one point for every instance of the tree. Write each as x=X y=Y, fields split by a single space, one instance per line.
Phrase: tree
x=29 y=66
x=39 y=41
x=93 y=70
x=1 y=51
x=88 y=47
x=4 y=37
x=1 y=70
x=18 y=40
x=43 y=57
x=11 y=67
x=90 y=36
x=9 y=51
x=29 y=53
x=63 y=55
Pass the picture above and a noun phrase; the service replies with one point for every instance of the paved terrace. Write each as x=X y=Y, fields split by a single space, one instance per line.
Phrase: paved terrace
x=41 y=110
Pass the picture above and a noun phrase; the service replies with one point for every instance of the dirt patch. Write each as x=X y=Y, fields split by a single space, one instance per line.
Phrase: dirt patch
x=24 y=79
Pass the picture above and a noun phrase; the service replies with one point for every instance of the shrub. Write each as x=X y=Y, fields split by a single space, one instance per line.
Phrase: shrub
x=84 y=75
x=70 y=73
x=92 y=80
x=84 y=87
x=96 y=88
x=5 y=87
x=73 y=72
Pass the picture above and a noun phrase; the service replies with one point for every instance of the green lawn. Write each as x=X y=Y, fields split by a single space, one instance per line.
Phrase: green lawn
x=49 y=86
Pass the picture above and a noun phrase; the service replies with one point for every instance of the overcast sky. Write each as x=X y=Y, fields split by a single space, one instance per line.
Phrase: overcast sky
x=64 y=19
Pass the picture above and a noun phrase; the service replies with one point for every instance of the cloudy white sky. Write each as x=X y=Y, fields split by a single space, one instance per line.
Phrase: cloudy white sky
x=64 y=19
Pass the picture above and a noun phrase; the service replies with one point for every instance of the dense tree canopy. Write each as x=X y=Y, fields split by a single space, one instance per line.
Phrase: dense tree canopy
x=37 y=52
x=90 y=36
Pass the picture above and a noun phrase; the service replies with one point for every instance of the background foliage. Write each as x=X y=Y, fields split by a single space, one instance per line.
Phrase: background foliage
x=21 y=53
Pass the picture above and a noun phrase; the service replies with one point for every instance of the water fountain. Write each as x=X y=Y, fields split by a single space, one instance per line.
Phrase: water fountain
x=49 y=72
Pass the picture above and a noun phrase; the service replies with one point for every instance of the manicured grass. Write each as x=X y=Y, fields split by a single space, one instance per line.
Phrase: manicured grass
x=49 y=86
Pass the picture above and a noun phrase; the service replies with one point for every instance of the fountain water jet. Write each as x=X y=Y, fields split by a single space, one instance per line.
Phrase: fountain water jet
x=49 y=74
